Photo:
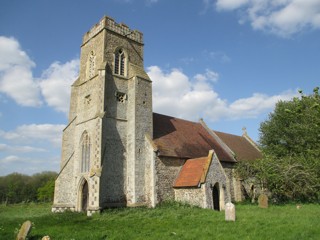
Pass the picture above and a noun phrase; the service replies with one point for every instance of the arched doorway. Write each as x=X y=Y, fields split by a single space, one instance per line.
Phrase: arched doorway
x=84 y=196
x=216 y=197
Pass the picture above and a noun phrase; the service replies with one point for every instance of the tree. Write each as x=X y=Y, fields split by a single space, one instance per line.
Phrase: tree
x=293 y=129
x=39 y=180
x=46 y=193
x=290 y=142
x=16 y=187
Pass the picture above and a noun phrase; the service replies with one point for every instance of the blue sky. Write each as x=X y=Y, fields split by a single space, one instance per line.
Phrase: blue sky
x=226 y=61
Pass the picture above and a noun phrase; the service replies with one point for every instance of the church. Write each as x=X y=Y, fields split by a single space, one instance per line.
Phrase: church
x=117 y=152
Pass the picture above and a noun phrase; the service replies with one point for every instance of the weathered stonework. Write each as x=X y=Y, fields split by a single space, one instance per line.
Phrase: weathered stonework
x=109 y=156
x=193 y=196
x=202 y=195
x=167 y=169
x=115 y=112
x=234 y=183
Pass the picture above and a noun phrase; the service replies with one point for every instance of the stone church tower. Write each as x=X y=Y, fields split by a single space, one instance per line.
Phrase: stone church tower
x=116 y=152
x=105 y=161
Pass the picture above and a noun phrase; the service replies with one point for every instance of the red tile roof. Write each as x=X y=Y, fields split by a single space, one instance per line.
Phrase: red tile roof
x=242 y=148
x=176 y=137
x=194 y=172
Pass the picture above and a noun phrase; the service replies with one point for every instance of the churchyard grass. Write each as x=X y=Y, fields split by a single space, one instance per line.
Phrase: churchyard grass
x=168 y=221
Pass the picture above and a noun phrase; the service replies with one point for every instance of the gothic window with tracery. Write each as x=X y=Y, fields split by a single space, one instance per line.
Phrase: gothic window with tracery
x=85 y=152
x=119 y=62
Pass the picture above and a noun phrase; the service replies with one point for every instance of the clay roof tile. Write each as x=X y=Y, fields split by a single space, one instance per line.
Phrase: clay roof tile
x=191 y=174
x=180 y=138
x=243 y=149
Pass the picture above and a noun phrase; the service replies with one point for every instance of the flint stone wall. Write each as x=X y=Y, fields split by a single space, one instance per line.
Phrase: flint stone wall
x=202 y=196
x=234 y=183
x=167 y=170
x=194 y=196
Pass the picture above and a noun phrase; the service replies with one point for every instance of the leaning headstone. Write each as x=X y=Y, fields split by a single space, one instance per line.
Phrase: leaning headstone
x=24 y=230
x=263 y=201
x=230 y=212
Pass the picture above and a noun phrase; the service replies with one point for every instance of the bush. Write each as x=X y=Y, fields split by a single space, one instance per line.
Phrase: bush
x=290 y=141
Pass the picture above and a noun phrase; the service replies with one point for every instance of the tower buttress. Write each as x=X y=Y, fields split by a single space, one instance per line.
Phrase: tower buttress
x=103 y=155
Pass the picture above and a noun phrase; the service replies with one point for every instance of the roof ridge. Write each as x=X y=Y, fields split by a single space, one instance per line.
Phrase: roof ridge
x=176 y=118
x=253 y=143
x=225 y=147
x=231 y=134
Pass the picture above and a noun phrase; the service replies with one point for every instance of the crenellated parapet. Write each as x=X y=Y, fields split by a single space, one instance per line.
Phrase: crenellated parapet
x=119 y=28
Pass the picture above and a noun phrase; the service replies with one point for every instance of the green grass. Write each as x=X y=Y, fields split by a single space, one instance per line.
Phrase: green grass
x=169 y=221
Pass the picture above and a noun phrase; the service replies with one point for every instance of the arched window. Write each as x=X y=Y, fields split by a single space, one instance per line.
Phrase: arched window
x=119 y=62
x=85 y=152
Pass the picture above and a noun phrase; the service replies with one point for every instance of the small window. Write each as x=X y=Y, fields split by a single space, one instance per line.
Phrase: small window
x=85 y=153
x=87 y=100
x=121 y=97
x=119 y=62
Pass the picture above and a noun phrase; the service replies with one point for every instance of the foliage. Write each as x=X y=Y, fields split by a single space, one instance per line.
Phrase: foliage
x=293 y=129
x=16 y=187
x=46 y=192
x=165 y=222
x=287 y=178
x=290 y=141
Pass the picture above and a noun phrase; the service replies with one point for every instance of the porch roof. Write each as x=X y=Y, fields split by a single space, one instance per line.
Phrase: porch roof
x=194 y=172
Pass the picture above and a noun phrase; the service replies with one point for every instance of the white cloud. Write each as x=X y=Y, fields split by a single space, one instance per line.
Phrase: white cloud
x=10 y=159
x=12 y=55
x=255 y=105
x=230 y=4
x=208 y=75
x=16 y=79
x=27 y=165
x=280 y=17
x=175 y=94
x=23 y=149
x=41 y=132
x=56 y=82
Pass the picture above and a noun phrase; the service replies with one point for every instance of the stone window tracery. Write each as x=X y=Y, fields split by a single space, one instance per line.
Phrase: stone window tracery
x=85 y=153
x=121 y=97
x=119 y=62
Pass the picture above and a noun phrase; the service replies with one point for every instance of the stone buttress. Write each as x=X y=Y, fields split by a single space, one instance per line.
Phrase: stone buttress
x=104 y=160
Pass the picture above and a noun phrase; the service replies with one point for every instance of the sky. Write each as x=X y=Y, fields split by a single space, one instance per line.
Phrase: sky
x=226 y=61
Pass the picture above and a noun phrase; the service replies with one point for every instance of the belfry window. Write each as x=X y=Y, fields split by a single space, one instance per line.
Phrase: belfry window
x=85 y=153
x=119 y=62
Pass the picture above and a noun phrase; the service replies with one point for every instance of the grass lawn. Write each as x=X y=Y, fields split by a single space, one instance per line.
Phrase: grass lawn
x=169 y=221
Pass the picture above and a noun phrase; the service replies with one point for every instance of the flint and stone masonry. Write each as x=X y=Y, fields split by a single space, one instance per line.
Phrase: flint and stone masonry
x=111 y=106
x=110 y=157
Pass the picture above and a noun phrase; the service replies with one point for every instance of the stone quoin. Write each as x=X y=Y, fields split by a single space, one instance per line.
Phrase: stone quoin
x=117 y=152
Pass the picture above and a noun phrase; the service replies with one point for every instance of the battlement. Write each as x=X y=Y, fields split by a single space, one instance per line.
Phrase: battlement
x=110 y=24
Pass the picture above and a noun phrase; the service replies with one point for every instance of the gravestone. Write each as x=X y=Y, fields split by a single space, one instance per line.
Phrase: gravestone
x=24 y=230
x=230 y=212
x=263 y=201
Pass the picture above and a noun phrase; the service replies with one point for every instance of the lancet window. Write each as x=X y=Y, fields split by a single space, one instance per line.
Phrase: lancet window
x=85 y=153
x=119 y=62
